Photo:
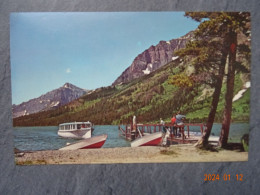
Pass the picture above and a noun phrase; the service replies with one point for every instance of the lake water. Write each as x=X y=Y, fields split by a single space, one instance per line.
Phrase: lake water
x=46 y=138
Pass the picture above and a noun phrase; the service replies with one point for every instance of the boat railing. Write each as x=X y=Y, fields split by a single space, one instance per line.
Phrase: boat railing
x=125 y=132
x=130 y=132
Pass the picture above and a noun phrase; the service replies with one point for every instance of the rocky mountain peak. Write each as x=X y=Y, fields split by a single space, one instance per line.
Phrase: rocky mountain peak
x=66 y=85
x=153 y=58
x=53 y=99
x=69 y=85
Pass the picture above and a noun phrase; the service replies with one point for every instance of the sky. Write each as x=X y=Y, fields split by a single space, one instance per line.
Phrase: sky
x=87 y=49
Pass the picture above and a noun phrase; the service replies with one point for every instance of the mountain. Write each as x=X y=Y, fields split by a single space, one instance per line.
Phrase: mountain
x=50 y=100
x=153 y=58
x=150 y=98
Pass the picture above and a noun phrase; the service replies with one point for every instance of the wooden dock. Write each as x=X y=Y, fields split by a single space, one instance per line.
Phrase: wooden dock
x=130 y=132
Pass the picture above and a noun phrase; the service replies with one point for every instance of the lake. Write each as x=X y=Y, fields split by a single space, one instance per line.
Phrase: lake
x=46 y=138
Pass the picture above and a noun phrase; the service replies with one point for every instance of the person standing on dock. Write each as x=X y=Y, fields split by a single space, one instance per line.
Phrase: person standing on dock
x=173 y=121
x=163 y=125
x=179 y=122
x=165 y=132
x=180 y=118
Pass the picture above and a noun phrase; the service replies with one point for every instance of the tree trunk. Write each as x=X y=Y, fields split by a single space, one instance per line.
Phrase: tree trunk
x=229 y=92
x=214 y=106
x=216 y=94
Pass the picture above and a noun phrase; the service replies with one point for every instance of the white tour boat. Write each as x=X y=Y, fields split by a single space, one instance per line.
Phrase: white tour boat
x=76 y=130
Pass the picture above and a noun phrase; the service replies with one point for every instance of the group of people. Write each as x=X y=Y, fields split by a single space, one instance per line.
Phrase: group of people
x=177 y=121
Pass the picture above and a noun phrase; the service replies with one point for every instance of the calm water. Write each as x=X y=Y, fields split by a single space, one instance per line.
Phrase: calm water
x=46 y=138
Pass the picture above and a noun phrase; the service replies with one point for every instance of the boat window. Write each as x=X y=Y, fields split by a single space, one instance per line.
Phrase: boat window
x=78 y=126
x=87 y=125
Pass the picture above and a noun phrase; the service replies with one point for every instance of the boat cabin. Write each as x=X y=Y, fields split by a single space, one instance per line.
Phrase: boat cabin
x=75 y=126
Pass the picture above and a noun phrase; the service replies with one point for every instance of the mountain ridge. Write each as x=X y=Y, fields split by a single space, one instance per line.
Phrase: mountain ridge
x=50 y=100
x=153 y=58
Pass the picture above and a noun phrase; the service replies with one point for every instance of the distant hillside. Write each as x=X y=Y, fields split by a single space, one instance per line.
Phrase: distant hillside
x=50 y=100
x=149 y=98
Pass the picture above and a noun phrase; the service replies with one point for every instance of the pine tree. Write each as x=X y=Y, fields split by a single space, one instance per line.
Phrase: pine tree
x=215 y=40
x=238 y=23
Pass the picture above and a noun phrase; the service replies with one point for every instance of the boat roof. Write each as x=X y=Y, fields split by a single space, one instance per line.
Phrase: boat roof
x=75 y=123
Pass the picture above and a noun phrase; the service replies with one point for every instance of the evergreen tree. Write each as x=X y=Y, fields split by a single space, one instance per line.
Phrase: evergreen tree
x=215 y=40
x=238 y=23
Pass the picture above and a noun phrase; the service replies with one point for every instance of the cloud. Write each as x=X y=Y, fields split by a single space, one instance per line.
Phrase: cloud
x=68 y=70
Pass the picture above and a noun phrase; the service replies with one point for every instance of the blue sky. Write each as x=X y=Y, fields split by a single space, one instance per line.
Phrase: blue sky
x=87 y=49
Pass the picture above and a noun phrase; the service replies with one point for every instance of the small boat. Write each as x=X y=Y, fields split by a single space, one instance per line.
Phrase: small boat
x=93 y=142
x=76 y=130
x=153 y=139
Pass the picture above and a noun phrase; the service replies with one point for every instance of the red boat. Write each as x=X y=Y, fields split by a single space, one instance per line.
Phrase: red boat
x=93 y=142
x=153 y=139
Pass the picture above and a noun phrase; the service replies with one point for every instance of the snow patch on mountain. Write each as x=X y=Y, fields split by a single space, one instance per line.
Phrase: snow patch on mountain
x=147 y=71
x=25 y=113
x=53 y=104
x=242 y=91
x=247 y=84
x=175 y=58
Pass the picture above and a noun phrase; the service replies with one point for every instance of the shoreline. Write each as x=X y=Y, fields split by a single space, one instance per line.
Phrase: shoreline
x=146 y=154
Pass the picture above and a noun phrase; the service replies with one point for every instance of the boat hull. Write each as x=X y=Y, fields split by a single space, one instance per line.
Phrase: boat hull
x=93 y=142
x=153 y=139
